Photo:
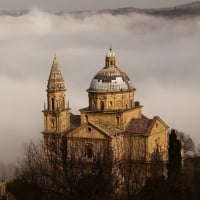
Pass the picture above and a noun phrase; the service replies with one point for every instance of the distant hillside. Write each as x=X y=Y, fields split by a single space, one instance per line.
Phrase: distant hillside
x=179 y=10
x=192 y=9
x=14 y=13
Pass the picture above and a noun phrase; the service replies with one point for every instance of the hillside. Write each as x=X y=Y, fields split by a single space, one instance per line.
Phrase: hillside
x=192 y=9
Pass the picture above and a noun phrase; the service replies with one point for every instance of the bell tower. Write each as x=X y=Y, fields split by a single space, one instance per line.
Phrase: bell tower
x=56 y=114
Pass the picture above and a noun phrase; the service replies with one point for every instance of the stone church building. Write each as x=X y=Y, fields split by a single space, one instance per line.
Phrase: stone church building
x=113 y=123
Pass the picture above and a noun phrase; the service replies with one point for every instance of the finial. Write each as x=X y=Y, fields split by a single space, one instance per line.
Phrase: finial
x=55 y=60
x=110 y=48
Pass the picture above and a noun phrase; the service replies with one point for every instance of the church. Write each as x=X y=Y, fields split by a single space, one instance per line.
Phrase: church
x=112 y=126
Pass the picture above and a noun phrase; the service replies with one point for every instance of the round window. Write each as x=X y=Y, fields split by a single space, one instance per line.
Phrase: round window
x=89 y=129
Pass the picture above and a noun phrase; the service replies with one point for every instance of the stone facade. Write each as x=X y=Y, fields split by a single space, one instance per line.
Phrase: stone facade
x=112 y=126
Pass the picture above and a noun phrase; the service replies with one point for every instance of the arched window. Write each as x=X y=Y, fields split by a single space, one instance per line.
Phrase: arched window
x=102 y=105
x=88 y=151
x=63 y=102
x=52 y=104
x=117 y=120
x=52 y=123
x=58 y=105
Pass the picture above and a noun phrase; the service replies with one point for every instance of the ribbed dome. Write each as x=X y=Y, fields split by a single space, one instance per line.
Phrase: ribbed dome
x=110 y=78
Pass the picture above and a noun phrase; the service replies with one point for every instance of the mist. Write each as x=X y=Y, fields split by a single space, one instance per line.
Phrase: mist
x=160 y=55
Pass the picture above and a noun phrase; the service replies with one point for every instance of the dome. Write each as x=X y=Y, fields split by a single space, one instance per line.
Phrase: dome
x=111 y=78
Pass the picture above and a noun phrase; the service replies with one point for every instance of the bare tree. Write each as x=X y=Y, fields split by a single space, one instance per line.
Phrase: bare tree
x=57 y=174
x=186 y=141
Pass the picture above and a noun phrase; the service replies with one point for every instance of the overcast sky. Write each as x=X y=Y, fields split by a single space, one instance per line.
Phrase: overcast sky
x=160 y=55
x=71 y=5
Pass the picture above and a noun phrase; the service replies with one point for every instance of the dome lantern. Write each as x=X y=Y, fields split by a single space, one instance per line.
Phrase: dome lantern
x=110 y=59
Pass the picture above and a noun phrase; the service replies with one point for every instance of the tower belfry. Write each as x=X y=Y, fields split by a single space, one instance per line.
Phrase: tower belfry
x=56 y=114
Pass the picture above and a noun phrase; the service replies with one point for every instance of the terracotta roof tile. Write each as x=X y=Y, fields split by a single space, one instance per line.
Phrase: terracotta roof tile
x=107 y=128
x=142 y=126
x=139 y=126
x=75 y=121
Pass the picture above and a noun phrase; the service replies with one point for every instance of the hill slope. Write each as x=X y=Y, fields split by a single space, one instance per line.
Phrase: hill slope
x=192 y=9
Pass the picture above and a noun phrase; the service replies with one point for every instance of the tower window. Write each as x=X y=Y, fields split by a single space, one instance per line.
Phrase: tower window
x=63 y=102
x=52 y=103
x=58 y=105
x=52 y=123
x=110 y=104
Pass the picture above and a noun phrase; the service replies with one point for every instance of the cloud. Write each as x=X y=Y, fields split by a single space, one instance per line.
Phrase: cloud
x=160 y=55
x=86 y=4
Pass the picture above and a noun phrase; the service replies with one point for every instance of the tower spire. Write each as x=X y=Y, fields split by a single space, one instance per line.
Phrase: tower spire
x=56 y=81
x=56 y=115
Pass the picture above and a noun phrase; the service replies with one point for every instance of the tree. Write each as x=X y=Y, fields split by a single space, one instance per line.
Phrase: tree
x=53 y=175
x=186 y=141
x=156 y=187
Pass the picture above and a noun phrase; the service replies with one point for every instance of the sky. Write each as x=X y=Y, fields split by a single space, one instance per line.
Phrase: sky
x=72 y=5
x=160 y=55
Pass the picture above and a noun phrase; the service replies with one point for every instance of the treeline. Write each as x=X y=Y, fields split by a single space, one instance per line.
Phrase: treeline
x=46 y=174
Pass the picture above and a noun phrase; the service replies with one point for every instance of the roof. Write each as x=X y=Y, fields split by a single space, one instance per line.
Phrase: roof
x=105 y=127
x=142 y=126
x=75 y=121
x=110 y=78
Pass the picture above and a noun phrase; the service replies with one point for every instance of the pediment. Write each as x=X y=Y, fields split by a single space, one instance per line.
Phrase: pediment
x=88 y=130
x=158 y=126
